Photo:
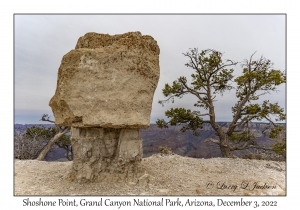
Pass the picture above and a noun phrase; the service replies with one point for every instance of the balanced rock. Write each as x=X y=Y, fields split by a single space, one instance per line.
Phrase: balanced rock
x=104 y=92
x=107 y=81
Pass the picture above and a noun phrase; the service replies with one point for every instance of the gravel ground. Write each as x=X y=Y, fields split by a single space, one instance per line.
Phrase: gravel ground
x=164 y=175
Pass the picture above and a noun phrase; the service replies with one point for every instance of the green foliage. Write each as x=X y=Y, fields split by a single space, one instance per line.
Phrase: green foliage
x=258 y=76
x=40 y=132
x=241 y=137
x=210 y=70
x=280 y=147
x=182 y=116
x=30 y=142
x=276 y=132
x=279 y=133
x=252 y=109
x=261 y=111
x=175 y=88
x=64 y=140
x=28 y=146
x=212 y=77
x=162 y=123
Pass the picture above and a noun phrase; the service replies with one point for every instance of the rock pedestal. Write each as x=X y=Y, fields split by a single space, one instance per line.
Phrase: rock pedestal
x=105 y=150
x=104 y=91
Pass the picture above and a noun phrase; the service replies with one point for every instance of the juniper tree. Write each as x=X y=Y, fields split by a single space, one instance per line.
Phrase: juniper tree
x=213 y=77
x=36 y=141
x=57 y=136
x=29 y=142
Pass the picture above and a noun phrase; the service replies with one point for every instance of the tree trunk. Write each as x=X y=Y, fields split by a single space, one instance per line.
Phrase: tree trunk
x=226 y=152
x=49 y=145
x=224 y=146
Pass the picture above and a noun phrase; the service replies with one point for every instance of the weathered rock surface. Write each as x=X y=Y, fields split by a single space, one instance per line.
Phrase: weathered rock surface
x=105 y=150
x=107 y=81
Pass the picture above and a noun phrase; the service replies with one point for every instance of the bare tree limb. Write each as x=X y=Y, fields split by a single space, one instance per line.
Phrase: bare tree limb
x=49 y=145
x=45 y=117
x=213 y=141
x=195 y=93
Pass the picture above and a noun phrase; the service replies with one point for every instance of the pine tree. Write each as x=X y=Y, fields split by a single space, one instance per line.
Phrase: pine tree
x=212 y=77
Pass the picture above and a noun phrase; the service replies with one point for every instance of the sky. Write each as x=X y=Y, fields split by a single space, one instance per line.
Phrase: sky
x=42 y=40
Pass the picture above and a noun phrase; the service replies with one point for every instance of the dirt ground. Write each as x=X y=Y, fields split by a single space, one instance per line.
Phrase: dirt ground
x=164 y=175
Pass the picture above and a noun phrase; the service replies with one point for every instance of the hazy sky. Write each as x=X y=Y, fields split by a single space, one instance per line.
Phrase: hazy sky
x=41 y=41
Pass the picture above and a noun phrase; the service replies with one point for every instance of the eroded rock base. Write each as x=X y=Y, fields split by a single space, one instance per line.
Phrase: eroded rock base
x=99 y=152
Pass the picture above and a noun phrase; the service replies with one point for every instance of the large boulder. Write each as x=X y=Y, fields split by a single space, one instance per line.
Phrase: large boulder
x=104 y=92
x=107 y=81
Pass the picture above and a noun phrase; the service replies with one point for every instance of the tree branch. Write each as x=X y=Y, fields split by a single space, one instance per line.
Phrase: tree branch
x=213 y=141
x=250 y=147
x=45 y=117
x=225 y=65
x=199 y=115
x=172 y=97
x=246 y=119
x=194 y=93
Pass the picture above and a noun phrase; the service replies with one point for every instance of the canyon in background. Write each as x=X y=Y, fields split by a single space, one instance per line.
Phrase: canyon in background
x=181 y=143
